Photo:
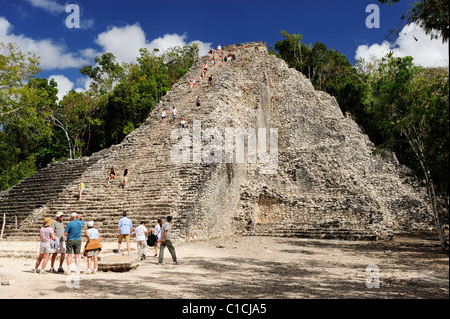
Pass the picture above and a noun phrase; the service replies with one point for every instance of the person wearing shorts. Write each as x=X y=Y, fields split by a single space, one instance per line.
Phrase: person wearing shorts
x=92 y=248
x=46 y=235
x=81 y=190
x=174 y=113
x=125 y=176
x=60 y=247
x=73 y=245
x=124 y=231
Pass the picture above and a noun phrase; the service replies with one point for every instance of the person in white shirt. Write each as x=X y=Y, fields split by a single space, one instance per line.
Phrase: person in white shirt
x=174 y=113
x=141 y=231
x=158 y=235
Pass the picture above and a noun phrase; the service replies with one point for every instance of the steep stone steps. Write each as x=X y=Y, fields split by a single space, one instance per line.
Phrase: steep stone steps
x=154 y=184
x=309 y=231
x=327 y=184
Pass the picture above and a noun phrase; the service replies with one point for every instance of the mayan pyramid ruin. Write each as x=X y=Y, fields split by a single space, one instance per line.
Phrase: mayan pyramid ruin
x=319 y=178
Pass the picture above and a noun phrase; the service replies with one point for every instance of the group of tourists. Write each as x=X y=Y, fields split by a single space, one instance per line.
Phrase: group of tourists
x=57 y=239
x=67 y=242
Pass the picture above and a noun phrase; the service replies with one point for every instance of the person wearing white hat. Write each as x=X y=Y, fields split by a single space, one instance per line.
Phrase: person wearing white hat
x=60 y=247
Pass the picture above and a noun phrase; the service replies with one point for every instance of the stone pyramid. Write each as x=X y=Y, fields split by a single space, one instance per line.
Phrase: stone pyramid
x=298 y=167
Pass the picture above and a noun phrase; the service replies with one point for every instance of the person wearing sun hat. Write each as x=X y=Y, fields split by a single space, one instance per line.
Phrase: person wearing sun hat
x=46 y=234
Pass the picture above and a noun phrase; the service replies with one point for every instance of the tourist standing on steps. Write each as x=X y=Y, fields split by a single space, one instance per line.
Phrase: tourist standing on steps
x=141 y=239
x=46 y=234
x=92 y=248
x=158 y=235
x=198 y=102
x=174 y=113
x=163 y=115
x=60 y=246
x=73 y=236
x=210 y=81
x=81 y=188
x=124 y=231
x=166 y=241
x=125 y=176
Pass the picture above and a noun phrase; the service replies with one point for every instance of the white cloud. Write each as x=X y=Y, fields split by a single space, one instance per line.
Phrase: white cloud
x=83 y=84
x=53 y=55
x=125 y=42
x=64 y=85
x=48 y=5
x=412 y=41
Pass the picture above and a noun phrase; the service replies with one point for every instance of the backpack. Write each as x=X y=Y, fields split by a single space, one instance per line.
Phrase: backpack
x=151 y=240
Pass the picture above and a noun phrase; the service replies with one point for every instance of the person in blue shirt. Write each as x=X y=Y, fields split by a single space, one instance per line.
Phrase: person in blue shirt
x=124 y=231
x=73 y=238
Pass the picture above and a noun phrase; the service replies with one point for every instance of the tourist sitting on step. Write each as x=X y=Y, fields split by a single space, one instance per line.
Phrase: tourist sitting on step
x=112 y=175
x=183 y=123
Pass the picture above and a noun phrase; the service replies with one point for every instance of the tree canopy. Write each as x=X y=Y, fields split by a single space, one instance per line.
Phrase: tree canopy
x=431 y=15
x=36 y=128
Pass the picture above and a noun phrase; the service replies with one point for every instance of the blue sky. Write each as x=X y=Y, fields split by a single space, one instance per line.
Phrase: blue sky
x=122 y=26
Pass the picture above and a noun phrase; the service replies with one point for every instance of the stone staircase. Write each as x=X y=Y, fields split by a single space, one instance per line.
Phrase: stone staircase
x=157 y=187
x=301 y=230
x=34 y=192
x=327 y=183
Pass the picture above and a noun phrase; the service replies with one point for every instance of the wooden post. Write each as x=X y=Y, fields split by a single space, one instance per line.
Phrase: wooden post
x=3 y=226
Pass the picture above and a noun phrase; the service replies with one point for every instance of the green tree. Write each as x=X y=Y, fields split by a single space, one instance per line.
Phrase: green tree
x=76 y=116
x=25 y=105
x=431 y=15
x=410 y=105
x=328 y=70
x=105 y=74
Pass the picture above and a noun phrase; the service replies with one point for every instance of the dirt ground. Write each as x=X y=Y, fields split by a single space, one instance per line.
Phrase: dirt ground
x=240 y=267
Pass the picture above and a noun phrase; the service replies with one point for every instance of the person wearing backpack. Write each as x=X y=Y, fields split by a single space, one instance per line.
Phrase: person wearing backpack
x=158 y=236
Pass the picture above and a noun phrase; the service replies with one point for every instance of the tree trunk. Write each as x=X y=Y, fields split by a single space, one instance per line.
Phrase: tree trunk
x=430 y=190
